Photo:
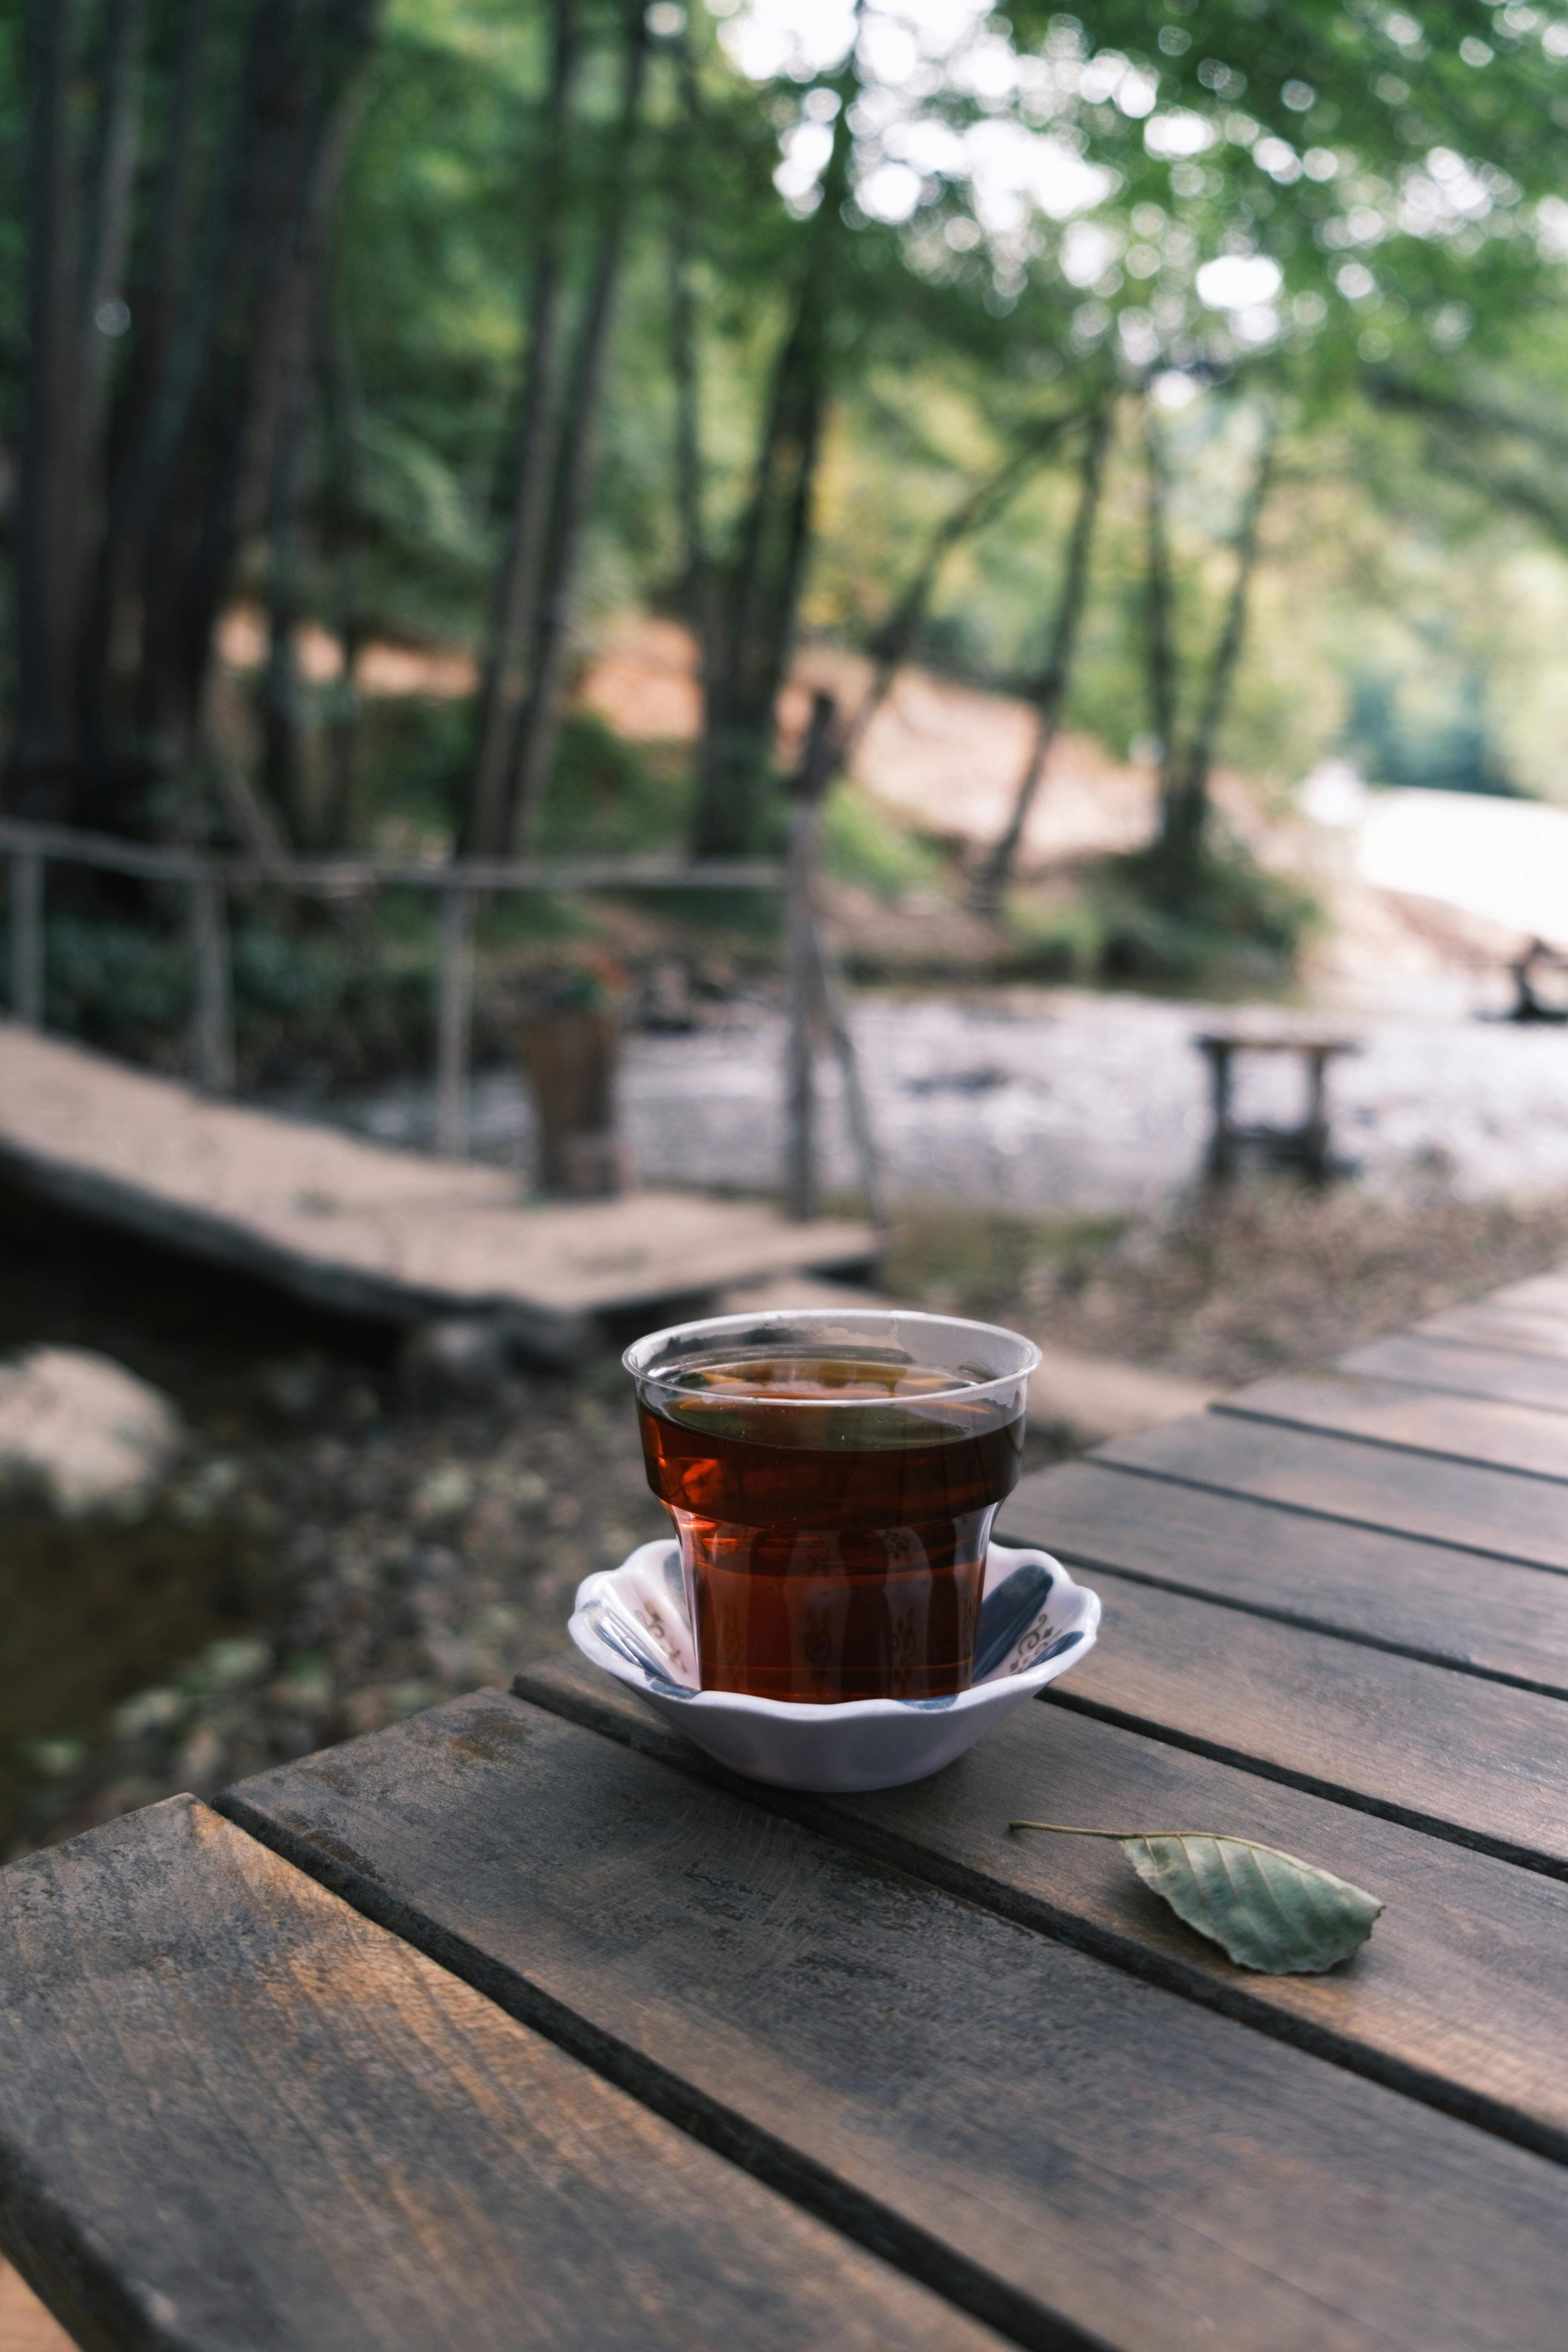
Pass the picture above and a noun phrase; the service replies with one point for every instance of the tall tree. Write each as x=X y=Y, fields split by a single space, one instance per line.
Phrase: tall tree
x=302 y=68
x=105 y=315
x=344 y=528
x=757 y=595
x=155 y=305
x=540 y=724
x=1185 y=768
x=1050 y=687
x=300 y=305
x=895 y=641
x=44 y=572
x=696 y=563
x=514 y=614
x=118 y=607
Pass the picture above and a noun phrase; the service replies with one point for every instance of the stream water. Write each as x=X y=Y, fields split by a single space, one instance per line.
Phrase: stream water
x=1062 y=1103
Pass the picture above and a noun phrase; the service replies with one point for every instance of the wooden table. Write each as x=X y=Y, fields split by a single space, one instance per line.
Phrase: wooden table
x=520 y=2025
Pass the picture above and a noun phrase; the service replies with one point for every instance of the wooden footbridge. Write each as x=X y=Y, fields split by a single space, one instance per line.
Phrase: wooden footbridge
x=350 y=1226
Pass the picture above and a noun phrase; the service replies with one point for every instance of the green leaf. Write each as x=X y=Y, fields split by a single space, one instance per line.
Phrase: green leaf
x=1268 y=1911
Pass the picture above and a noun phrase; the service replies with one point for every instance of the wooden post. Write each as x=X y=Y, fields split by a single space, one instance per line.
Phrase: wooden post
x=806 y=1007
x=27 y=938
x=454 y=1023
x=1220 y=1160
x=212 y=1020
x=1315 y=1130
x=855 y=1101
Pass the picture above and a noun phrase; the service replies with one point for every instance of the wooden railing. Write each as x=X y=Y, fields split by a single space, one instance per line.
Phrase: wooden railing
x=210 y=878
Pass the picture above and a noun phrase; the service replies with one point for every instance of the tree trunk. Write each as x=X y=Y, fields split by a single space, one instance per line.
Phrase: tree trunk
x=1050 y=690
x=283 y=764
x=1159 y=642
x=757 y=600
x=513 y=621
x=151 y=525
x=43 y=751
x=1186 y=815
x=696 y=568
x=342 y=534
x=282 y=713
x=305 y=102
x=896 y=639
x=174 y=198
x=113 y=631
x=107 y=234
x=541 y=723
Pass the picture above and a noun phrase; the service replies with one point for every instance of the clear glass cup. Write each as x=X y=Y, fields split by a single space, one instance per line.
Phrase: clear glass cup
x=833 y=1475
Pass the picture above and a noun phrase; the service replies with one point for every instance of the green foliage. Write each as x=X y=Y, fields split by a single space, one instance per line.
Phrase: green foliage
x=1402 y=177
x=970 y=1260
x=1227 y=920
x=348 y=995
x=416 y=750
x=612 y=796
x=114 y=983
x=1062 y=938
x=863 y=843
x=1232 y=923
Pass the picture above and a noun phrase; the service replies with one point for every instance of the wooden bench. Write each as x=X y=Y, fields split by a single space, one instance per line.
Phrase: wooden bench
x=1305 y=1145
x=520 y=2024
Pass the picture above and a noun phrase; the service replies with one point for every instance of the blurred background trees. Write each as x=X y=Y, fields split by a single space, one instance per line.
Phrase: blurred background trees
x=1193 y=368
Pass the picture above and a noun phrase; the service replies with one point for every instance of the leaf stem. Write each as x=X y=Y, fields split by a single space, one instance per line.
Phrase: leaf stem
x=1061 y=1829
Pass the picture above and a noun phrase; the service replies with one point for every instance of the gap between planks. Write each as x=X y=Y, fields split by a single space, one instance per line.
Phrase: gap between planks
x=1463 y=1368
x=1094 y=1565
x=1160 y=1474
x=1378 y=1590
x=1481 y=1433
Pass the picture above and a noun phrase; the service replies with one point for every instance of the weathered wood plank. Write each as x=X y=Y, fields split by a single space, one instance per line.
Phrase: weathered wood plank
x=1445 y=1606
x=1464 y=1371
x=1487 y=1433
x=365 y=1230
x=1547 y=1292
x=1487 y=1323
x=237 y=2113
x=1460 y=1997
x=1112 y=2155
x=1451 y=1503
x=1472 y=1760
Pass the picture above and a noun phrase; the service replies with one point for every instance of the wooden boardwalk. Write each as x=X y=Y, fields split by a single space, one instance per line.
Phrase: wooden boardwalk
x=523 y=2025
x=366 y=1231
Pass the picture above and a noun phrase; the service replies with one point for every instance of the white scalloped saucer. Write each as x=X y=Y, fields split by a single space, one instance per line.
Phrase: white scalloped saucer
x=1035 y=1622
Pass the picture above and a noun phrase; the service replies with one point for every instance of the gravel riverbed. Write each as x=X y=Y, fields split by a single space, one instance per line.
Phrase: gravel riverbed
x=1061 y=1102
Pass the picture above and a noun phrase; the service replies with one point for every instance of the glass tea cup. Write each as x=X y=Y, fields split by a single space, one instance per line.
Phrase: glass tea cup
x=833 y=1475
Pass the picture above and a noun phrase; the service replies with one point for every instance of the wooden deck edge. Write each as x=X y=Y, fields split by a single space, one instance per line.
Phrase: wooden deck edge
x=555 y=1336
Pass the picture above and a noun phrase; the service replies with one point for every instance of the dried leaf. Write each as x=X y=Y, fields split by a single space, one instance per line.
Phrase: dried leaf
x=1267 y=1910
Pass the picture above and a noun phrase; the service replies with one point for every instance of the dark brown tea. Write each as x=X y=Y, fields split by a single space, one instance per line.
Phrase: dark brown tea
x=833 y=1554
